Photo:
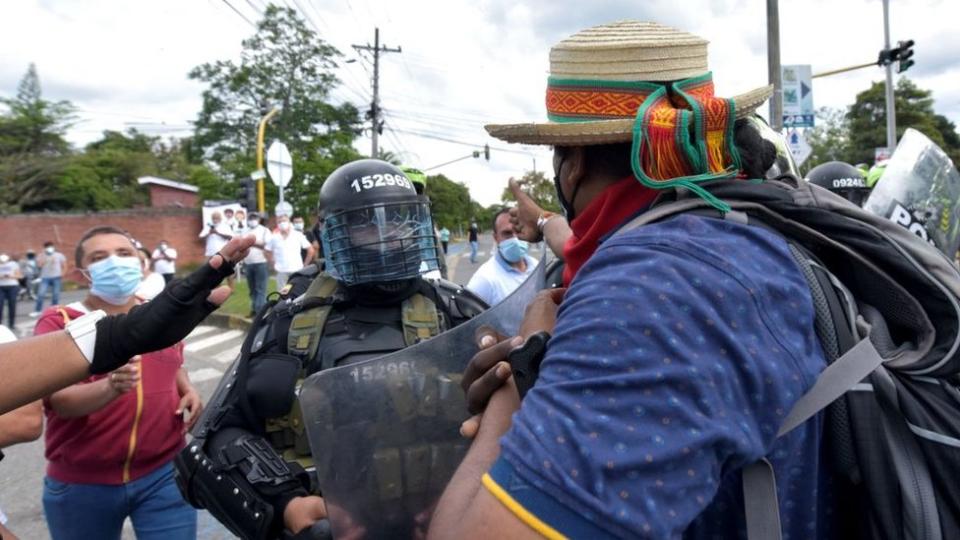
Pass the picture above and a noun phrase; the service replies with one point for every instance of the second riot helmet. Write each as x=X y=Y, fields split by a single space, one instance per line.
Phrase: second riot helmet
x=841 y=178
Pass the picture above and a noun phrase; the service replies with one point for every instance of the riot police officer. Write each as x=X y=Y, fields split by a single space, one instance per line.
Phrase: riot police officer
x=841 y=178
x=249 y=460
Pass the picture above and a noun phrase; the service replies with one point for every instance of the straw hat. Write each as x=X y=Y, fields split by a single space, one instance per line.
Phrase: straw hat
x=598 y=81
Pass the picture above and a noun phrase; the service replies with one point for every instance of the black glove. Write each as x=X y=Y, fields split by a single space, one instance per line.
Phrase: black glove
x=160 y=323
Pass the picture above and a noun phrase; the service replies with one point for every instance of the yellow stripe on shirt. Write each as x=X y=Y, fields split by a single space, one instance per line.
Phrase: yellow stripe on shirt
x=525 y=516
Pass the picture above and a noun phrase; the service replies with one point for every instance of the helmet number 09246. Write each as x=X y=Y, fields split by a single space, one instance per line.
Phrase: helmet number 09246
x=379 y=180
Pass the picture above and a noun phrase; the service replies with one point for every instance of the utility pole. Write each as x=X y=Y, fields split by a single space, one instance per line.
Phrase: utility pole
x=375 y=103
x=891 y=107
x=773 y=64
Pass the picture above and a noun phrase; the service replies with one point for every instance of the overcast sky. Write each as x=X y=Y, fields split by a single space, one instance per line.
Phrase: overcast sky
x=464 y=63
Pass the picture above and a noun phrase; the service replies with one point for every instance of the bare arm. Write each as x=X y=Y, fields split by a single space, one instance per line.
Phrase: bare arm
x=311 y=253
x=21 y=425
x=466 y=509
x=82 y=399
x=556 y=232
x=524 y=218
x=27 y=380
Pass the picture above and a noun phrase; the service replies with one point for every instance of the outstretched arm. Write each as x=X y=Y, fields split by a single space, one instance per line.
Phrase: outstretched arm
x=149 y=327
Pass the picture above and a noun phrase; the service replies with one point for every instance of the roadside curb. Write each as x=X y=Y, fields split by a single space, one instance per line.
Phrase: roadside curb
x=223 y=320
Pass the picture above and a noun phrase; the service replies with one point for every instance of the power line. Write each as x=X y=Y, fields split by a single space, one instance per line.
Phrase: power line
x=426 y=135
x=254 y=8
x=237 y=11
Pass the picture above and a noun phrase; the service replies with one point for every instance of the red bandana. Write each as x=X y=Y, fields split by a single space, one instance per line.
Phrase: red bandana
x=612 y=208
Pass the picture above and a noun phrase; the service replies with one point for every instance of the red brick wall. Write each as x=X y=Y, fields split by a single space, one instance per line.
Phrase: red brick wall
x=162 y=196
x=178 y=226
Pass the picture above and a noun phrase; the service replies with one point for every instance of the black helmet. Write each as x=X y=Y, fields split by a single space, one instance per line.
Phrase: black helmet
x=841 y=178
x=374 y=228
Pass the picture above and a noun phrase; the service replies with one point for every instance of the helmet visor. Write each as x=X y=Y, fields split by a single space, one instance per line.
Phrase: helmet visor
x=382 y=242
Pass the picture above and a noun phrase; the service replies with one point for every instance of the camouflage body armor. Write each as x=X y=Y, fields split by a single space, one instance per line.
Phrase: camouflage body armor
x=250 y=453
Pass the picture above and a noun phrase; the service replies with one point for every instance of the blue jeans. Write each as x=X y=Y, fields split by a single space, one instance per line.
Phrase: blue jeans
x=473 y=251
x=153 y=503
x=8 y=296
x=257 y=281
x=46 y=283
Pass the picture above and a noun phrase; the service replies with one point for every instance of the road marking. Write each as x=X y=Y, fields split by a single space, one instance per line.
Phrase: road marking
x=204 y=374
x=201 y=330
x=227 y=356
x=212 y=340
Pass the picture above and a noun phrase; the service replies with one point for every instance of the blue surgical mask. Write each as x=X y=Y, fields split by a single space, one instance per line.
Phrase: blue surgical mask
x=513 y=249
x=115 y=279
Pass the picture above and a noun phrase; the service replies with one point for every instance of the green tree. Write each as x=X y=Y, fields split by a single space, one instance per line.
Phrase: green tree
x=284 y=64
x=33 y=150
x=540 y=189
x=914 y=109
x=830 y=140
x=450 y=202
x=104 y=176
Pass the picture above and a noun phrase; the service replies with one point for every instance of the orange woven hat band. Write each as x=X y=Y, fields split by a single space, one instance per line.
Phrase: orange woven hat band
x=574 y=100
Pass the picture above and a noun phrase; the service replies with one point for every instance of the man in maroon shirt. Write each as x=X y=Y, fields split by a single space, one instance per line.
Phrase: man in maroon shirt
x=111 y=438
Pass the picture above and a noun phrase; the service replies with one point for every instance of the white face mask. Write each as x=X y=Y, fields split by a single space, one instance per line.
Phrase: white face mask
x=163 y=247
x=4 y=258
x=284 y=226
x=298 y=225
x=253 y=223
x=49 y=250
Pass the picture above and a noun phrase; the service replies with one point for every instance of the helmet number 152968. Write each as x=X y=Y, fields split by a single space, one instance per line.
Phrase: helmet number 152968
x=379 y=180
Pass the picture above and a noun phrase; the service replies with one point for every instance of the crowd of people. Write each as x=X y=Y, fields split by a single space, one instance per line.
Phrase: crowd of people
x=713 y=303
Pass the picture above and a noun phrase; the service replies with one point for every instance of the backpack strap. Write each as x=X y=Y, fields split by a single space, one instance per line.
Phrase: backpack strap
x=760 y=504
x=306 y=327
x=420 y=318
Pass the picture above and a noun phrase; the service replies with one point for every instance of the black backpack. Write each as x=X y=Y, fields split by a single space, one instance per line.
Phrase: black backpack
x=888 y=317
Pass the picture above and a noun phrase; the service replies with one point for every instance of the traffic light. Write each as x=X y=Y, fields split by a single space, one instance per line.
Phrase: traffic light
x=486 y=152
x=248 y=194
x=901 y=54
x=904 y=52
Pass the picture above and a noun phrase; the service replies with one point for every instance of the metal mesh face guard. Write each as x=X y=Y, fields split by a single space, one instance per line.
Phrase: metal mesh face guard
x=381 y=242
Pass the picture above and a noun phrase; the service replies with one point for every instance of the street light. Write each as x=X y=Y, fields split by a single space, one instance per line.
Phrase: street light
x=259 y=174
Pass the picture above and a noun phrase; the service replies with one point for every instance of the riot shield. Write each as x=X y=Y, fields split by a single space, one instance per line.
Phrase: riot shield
x=384 y=433
x=920 y=190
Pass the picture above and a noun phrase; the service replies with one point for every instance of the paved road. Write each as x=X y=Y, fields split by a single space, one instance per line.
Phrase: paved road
x=208 y=352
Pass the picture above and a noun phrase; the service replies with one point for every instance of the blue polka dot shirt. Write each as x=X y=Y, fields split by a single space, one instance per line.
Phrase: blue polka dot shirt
x=678 y=351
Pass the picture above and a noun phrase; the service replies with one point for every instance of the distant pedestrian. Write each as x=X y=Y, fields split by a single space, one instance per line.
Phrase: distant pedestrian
x=298 y=226
x=9 y=287
x=508 y=265
x=285 y=245
x=255 y=265
x=444 y=238
x=217 y=233
x=165 y=261
x=31 y=272
x=474 y=238
x=52 y=265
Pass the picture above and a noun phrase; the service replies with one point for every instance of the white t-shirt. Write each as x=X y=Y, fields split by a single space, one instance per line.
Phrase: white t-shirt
x=150 y=287
x=9 y=268
x=262 y=236
x=495 y=279
x=286 y=251
x=215 y=242
x=161 y=265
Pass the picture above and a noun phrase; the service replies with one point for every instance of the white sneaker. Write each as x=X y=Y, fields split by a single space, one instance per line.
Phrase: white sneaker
x=34 y=314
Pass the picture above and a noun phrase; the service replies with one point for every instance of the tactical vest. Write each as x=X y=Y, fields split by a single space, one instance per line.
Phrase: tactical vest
x=419 y=319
